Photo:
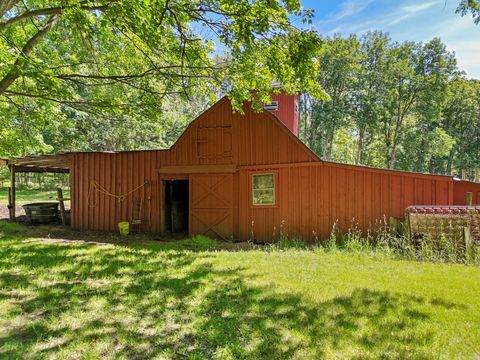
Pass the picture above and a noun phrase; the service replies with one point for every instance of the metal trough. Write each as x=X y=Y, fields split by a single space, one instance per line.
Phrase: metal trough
x=41 y=213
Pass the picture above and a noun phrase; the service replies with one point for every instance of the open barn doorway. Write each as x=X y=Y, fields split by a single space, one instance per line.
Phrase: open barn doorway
x=176 y=206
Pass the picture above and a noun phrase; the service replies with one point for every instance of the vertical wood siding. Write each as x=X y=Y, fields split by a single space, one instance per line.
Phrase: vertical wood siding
x=461 y=187
x=218 y=136
x=118 y=173
x=314 y=197
x=287 y=110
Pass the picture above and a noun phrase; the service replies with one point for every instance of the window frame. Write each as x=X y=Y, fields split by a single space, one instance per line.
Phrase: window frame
x=275 y=188
x=270 y=106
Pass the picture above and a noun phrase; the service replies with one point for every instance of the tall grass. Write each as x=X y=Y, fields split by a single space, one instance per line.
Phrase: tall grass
x=384 y=241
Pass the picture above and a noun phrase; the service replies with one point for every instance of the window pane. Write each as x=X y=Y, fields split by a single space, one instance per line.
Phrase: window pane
x=264 y=181
x=263 y=197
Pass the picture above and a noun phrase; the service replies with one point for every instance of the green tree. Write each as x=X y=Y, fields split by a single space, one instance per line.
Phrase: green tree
x=417 y=78
x=107 y=47
x=461 y=120
x=369 y=93
x=393 y=105
x=437 y=66
x=339 y=63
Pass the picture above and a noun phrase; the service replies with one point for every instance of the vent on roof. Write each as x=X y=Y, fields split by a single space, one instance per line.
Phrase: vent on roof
x=272 y=106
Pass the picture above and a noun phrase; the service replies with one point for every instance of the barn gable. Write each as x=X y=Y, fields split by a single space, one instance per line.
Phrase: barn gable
x=220 y=136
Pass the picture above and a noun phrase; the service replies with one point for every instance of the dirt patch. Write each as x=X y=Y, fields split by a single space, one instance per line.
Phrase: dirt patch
x=4 y=213
x=64 y=235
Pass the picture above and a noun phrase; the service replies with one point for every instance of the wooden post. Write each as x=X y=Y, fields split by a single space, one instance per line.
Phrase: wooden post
x=469 y=198
x=467 y=241
x=11 y=193
x=9 y=206
x=61 y=205
x=409 y=227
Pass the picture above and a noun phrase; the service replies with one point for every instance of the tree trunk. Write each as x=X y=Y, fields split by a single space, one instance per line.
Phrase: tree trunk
x=450 y=162
x=393 y=157
x=329 y=145
x=360 y=148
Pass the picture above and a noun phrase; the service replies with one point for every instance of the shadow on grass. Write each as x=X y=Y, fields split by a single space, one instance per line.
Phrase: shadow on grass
x=141 y=302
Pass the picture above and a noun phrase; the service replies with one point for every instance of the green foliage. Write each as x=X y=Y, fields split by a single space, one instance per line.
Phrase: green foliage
x=470 y=6
x=393 y=105
x=339 y=62
x=11 y=230
x=30 y=195
x=386 y=243
x=196 y=243
x=287 y=243
x=460 y=118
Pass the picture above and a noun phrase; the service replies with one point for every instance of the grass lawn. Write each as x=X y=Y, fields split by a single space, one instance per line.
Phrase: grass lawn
x=187 y=299
x=28 y=195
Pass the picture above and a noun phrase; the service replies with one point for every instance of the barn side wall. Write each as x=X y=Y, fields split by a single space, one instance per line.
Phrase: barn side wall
x=118 y=173
x=461 y=187
x=313 y=197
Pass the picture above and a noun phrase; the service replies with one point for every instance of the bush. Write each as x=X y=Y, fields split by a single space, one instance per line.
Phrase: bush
x=196 y=243
x=286 y=243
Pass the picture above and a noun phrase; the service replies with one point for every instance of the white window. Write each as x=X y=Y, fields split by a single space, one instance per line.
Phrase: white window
x=263 y=189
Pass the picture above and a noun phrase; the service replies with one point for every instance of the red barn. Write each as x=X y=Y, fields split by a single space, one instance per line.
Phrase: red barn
x=241 y=177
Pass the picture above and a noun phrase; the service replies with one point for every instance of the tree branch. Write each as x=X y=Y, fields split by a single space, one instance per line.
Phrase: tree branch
x=6 y=5
x=13 y=74
x=85 y=103
x=48 y=11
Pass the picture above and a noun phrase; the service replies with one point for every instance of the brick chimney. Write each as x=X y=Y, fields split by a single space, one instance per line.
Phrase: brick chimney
x=285 y=107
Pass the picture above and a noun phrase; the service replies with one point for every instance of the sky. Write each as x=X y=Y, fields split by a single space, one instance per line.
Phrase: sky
x=413 y=20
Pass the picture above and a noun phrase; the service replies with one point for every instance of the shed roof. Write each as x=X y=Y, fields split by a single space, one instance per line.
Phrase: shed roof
x=56 y=163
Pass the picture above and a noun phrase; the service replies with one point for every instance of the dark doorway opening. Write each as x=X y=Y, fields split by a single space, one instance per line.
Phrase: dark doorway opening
x=176 y=206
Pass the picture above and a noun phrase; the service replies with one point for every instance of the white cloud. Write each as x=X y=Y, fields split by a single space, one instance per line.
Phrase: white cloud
x=397 y=19
x=347 y=9
x=408 y=11
x=358 y=27
x=467 y=53
x=413 y=9
x=459 y=25
x=412 y=20
x=351 y=7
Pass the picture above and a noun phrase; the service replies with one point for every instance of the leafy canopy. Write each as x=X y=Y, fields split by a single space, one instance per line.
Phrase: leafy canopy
x=470 y=6
x=104 y=74
x=125 y=54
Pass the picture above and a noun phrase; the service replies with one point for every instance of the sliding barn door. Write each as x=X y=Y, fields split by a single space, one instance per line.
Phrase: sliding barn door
x=211 y=205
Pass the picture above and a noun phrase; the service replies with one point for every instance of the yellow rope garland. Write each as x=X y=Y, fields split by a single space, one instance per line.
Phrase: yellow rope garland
x=96 y=186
